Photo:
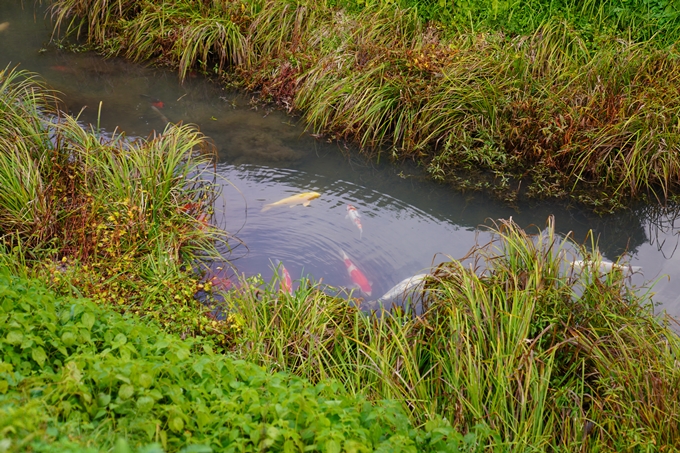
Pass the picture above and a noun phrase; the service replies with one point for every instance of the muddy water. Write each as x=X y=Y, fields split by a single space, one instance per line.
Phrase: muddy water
x=409 y=224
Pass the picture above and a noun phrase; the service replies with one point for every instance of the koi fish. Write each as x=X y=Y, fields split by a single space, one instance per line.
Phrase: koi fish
x=4 y=26
x=403 y=287
x=606 y=266
x=154 y=101
x=356 y=275
x=221 y=283
x=203 y=221
x=189 y=207
x=286 y=284
x=304 y=198
x=160 y=115
x=194 y=209
x=354 y=215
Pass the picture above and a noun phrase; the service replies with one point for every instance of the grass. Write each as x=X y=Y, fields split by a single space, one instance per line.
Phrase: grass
x=578 y=102
x=123 y=221
x=548 y=358
x=513 y=347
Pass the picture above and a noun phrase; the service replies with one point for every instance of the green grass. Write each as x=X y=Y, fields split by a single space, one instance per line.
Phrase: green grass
x=578 y=102
x=123 y=221
x=517 y=341
x=78 y=377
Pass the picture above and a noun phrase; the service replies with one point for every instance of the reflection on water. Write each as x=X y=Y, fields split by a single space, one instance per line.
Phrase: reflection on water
x=409 y=223
x=398 y=239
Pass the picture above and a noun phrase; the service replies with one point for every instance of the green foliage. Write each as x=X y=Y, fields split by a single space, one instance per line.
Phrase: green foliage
x=71 y=370
x=121 y=221
x=639 y=19
x=544 y=356
x=557 y=99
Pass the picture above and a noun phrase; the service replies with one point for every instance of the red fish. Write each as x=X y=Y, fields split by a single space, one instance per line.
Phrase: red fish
x=191 y=206
x=356 y=275
x=158 y=104
x=203 y=220
x=61 y=68
x=286 y=284
x=221 y=283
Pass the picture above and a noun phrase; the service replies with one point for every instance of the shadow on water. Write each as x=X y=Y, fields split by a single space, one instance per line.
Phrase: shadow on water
x=409 y=223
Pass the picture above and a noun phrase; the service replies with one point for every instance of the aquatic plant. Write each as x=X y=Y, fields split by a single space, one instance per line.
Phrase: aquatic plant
x=546 y=357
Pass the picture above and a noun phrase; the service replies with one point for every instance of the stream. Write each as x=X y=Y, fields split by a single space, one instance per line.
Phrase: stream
x=409 y=223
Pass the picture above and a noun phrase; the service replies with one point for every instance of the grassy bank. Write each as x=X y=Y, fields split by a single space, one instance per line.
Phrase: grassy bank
x=98 y=215
x=549 y=358
x=77 y=377
x=581 y=112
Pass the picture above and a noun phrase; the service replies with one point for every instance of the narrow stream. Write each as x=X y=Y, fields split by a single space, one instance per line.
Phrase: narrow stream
x=409 y=223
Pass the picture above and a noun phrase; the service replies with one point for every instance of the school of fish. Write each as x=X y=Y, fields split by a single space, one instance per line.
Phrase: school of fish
x=409 y=287
x=358 y=278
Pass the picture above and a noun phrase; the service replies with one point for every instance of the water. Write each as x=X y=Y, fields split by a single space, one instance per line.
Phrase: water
x=409 y=223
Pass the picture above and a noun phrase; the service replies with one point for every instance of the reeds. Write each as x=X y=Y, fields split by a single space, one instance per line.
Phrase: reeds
x=547 y=358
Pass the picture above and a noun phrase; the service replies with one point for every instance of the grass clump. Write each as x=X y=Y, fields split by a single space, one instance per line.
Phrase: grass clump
x=545 y=357
x=96 y=214
x=75 y=376
x=554 y=109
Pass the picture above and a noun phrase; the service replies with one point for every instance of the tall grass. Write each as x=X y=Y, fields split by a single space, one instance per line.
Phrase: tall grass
x=23 y=191
x=123 y=221
x=562 y=110
x=548 y=358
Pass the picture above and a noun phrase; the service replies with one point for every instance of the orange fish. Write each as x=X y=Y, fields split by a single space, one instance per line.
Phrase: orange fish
x=191 y=206
x=356 y=275
x=221 y=283
x=286 y=284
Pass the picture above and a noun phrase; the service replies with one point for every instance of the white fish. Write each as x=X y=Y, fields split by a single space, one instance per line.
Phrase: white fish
x=354 y=215
x=606 y=266
x=401 y=288
x=4 y=26
x=305 y=198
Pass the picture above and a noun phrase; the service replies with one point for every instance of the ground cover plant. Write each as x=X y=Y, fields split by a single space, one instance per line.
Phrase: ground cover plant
x=547 y=357
x=581 y=103
x=76 y=376
x=96 y=214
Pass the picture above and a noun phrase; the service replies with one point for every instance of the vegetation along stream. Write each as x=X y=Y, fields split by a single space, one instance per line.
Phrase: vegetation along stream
x=310 y=191
x=409 y=223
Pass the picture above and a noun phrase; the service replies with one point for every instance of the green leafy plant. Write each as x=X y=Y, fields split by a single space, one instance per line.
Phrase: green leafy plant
x=75 y=374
